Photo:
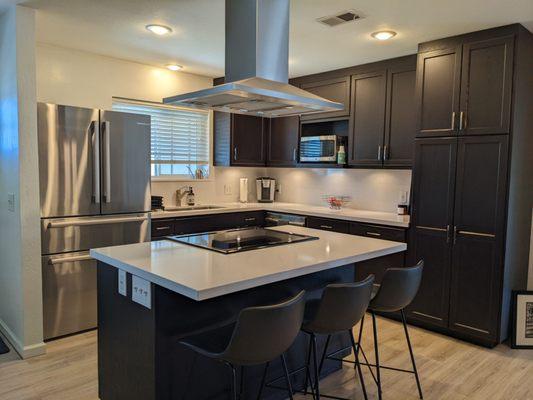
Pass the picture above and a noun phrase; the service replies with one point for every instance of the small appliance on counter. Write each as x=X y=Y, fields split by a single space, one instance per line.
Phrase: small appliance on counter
x=266 y=187
x=243 y=190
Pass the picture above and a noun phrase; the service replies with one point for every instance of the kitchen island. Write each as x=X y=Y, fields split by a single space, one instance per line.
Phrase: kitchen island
x=185 y=290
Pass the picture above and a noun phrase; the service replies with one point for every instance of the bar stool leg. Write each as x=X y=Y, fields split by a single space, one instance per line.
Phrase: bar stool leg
x=315 y=362
x=233 y=381
x=412 y=355
x=324 y=354
x=361 y=324
x=357 y=365
x=308 y=363
x=376 y=351
x=263 y=379
x=287 y=377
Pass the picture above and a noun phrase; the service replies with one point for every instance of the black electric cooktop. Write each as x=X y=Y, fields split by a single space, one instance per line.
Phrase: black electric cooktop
x=235 y=240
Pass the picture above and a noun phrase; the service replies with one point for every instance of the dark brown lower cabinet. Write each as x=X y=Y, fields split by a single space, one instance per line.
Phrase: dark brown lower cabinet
x=459 y=198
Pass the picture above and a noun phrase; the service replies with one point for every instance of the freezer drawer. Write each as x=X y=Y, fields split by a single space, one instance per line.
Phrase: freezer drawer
x=69 y=294
x=60 y=235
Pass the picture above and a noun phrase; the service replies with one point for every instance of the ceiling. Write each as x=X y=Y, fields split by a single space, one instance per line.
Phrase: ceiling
x=116 y=28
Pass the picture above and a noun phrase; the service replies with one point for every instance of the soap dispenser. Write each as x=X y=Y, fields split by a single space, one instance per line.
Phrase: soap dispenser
x=190 y=197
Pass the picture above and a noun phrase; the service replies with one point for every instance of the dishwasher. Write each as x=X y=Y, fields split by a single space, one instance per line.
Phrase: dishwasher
x=278 y=219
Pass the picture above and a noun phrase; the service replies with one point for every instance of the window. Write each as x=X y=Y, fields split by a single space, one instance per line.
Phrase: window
x=180 y=138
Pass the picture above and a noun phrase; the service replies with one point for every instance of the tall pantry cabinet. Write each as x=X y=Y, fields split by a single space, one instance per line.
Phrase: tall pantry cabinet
x=472 y=180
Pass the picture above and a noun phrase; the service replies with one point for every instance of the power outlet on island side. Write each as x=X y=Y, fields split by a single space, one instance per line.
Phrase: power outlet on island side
x=141 y=291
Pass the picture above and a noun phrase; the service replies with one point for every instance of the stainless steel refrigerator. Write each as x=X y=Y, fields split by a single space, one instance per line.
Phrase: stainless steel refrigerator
x=94 y=174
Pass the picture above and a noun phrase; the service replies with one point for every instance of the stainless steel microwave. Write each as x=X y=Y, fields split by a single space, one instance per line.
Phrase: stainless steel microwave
x=319 y=148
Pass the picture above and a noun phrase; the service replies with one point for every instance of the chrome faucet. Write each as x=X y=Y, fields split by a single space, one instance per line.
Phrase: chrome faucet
x=180 y=194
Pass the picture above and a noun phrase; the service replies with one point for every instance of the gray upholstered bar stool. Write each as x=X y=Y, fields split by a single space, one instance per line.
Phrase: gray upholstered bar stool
x=397 y=290
x=260 y=335
x=341 y=307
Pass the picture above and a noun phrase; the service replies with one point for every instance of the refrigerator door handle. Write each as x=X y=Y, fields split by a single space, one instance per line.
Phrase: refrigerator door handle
x=62 y=260
x=95 y=142
x=96 y=221
x=106 y=132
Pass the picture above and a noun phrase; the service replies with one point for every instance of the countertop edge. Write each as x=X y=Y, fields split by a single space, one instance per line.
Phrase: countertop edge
x=288 y=210
x=205 y=294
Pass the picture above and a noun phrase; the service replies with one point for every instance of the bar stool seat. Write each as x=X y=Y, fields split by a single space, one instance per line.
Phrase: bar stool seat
x=260 y=335
x=340 y=308
x=397 y=290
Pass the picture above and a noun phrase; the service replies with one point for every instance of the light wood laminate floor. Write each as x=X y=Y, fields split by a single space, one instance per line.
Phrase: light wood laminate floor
x=449 y=369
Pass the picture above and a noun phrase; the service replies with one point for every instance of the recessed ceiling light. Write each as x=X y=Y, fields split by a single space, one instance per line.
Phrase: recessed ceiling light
x=158 y=29
x=174 y=67
x=383 y=35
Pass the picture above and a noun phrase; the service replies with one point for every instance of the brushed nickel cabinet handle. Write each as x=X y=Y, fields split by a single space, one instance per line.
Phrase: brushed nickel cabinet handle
x=454 y=234
x=373 y=234
x=448 y=229
x=294 y=154
x=385 y=151
x=453 y=120
x=379 y=153
x=162 y=228
x=249 y=219
x=235 y=153
x=326 y=226
x=461 y=116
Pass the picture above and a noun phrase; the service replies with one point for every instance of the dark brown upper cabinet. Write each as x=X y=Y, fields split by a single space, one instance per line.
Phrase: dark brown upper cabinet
x=367 y=119
x=465 y=89
x=382 y=122
x=437 y=92
x=400 y=121
x=282 y=149
x=336 y=89
x=486 y=86
x=240 y=140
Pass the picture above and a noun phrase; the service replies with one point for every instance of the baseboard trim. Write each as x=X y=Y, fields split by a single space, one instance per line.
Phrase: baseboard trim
x=29 y=351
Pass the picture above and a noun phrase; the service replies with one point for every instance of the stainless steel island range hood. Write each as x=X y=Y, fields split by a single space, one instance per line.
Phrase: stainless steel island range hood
x=257 y=66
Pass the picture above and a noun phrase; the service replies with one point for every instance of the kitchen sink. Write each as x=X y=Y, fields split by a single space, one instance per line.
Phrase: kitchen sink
x=192 y=208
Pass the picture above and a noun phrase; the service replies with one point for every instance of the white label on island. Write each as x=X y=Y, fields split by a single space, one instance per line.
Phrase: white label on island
x=140 y=291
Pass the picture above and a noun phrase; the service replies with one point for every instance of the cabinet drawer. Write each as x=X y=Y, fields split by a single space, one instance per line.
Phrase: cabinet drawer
x=256 y=218
x=328 y=224
x=378 y=232
x=162 y=227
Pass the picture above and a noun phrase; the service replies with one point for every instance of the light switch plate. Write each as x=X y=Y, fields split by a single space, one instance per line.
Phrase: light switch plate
x=11 y=202
x=141 y=291
x=122 y=287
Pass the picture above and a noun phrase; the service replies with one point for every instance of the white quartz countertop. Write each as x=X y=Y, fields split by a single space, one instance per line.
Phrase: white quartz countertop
x=348 y=214
x=203 y=274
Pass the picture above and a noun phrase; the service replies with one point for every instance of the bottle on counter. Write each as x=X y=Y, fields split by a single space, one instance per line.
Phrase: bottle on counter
x=341 y=155
x=190 y=197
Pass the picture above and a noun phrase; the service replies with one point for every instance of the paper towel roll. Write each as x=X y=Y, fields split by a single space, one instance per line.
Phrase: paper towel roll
x=243 y=190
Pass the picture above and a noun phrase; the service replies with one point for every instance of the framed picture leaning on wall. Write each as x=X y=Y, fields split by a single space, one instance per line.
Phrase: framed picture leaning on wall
x=522 y=337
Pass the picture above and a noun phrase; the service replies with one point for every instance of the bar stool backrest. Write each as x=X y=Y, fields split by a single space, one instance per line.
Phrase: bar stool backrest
x=398 y=288
x=342 y=306
x=264 y=333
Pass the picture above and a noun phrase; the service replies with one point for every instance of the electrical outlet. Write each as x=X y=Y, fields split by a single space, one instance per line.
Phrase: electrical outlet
x=278 y=188
x=141 y=291
x=11 y=202
x=227 y=189
x=122 y=288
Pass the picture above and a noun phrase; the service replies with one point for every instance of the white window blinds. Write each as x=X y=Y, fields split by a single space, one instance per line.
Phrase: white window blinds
x=179 y=136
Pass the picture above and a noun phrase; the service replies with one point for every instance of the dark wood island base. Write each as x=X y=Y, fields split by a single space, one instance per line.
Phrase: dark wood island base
x=139 y=356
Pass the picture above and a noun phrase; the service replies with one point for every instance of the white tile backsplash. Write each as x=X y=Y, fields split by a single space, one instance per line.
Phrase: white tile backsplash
x=370 y=189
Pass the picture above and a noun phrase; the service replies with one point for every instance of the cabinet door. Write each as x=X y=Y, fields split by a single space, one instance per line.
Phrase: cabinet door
x=478 y=235
x=283 y=141
x=248 y=140
x=337 y=90
x=367 y=119
x=486 y=86
x=433 y=197
x=437 y=91
x=400 y=124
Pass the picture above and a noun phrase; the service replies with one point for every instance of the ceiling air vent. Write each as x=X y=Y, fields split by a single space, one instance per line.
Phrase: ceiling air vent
x=339 y=18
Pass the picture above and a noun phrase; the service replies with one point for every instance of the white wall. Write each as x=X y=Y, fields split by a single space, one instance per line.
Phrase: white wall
x=77 y=78
x=20 y=268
